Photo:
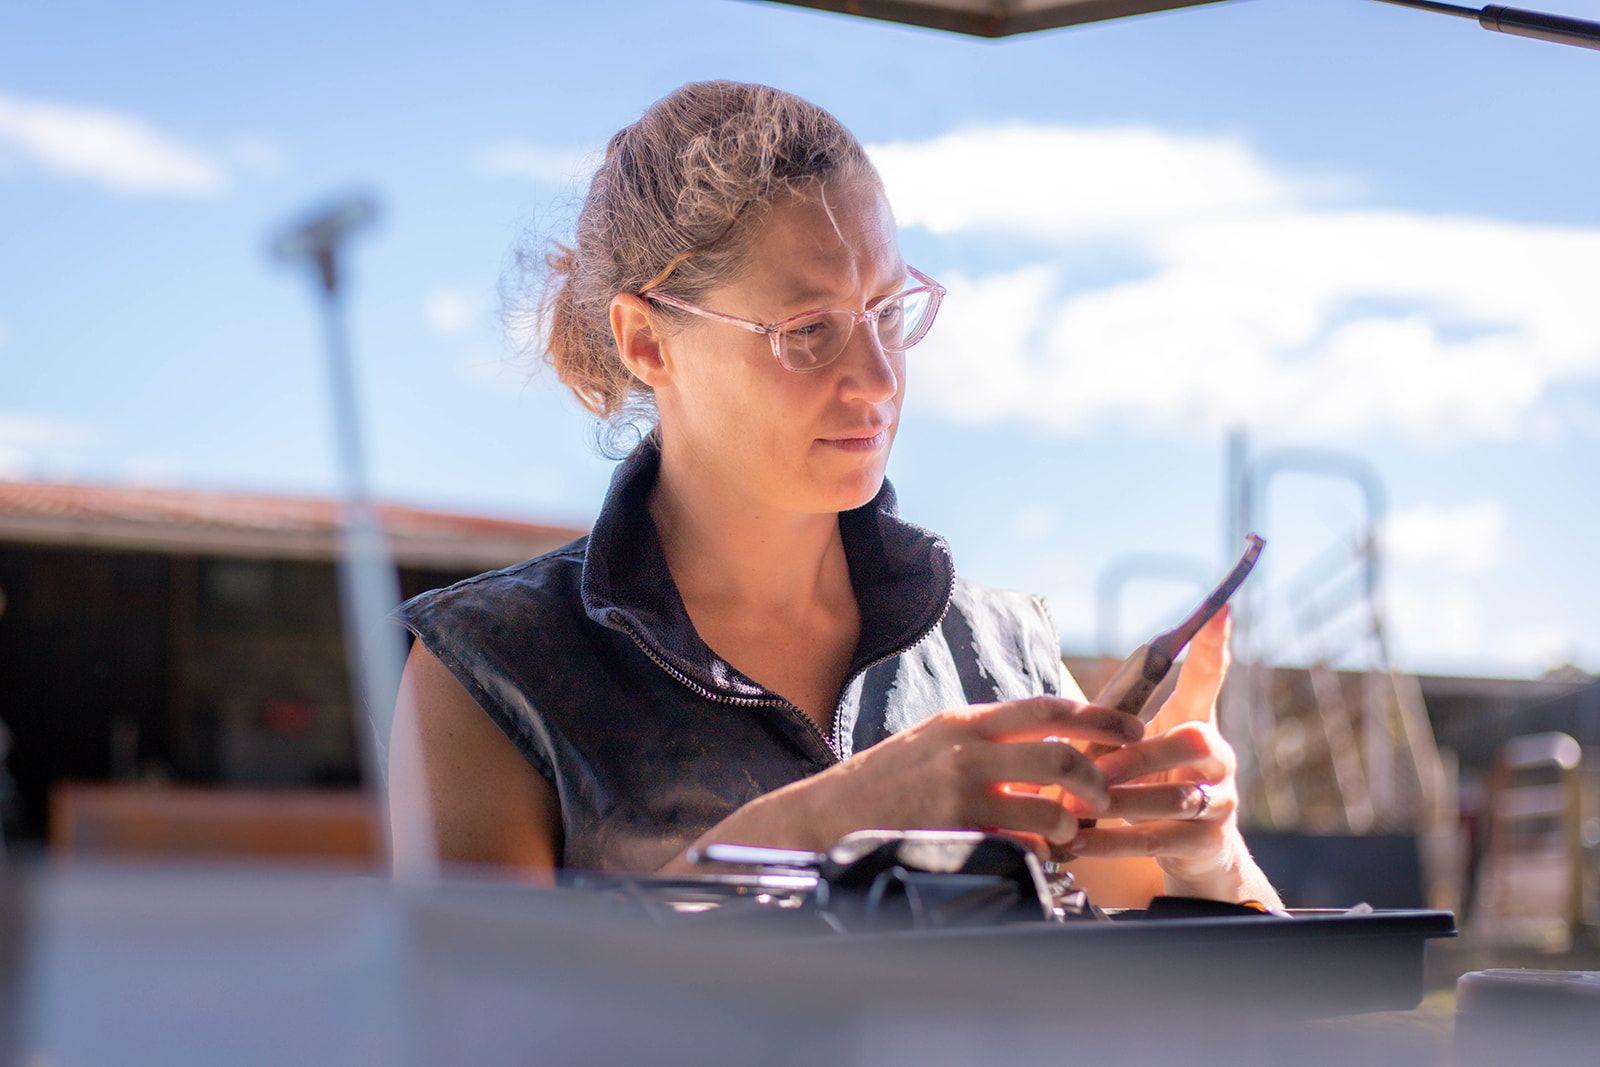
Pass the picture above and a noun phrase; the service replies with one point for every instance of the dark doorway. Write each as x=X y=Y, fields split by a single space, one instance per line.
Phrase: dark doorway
x=83 y=668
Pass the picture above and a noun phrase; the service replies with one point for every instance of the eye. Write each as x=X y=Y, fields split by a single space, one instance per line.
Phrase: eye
x=812 y=328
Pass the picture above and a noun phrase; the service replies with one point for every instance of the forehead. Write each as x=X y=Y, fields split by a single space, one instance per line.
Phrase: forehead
x=808 y=249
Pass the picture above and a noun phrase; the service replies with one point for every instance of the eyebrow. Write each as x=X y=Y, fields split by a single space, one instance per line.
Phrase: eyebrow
x=805 y=293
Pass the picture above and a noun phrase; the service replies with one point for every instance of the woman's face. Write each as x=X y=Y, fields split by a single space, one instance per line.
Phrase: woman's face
x=772 y=432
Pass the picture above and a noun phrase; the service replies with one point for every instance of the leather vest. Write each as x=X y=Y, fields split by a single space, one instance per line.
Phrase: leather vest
x=587 y=660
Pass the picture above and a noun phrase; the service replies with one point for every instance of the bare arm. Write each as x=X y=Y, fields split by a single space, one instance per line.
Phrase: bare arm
x=950 y=770
x=488 y=805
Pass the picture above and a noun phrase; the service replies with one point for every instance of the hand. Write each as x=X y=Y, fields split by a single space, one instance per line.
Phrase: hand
x=1154 y=783
x=978 y=767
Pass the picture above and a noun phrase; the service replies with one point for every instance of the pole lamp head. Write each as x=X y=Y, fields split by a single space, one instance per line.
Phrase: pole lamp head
x=316 y=237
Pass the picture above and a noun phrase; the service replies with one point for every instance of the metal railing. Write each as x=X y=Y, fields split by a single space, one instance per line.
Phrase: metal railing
x=1332 y=737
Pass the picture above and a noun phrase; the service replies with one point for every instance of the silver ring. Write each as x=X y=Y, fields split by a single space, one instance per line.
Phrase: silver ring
x=1205 y=799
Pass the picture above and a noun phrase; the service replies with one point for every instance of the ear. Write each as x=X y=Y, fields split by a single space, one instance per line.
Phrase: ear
x=638 y=341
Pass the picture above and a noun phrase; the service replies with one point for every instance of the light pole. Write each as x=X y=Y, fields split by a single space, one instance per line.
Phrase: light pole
x=369 y=586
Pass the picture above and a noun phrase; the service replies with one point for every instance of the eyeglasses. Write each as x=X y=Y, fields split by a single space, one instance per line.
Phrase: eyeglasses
x=810 y=340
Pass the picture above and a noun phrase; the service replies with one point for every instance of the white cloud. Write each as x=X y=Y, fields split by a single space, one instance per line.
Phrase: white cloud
x=452 y=311
x=1056 y=181
x=1443 y=626
x=48 y=448
x=1440 y=628
x=1257 y=303
x=518 y=159
x=30 y=444
x=40 y=431
x=121 y=152
x=1468 y=538
x=1540 y=647
x=981 y=350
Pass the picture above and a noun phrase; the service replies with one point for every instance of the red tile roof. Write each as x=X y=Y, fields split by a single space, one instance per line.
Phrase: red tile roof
x=171 y=520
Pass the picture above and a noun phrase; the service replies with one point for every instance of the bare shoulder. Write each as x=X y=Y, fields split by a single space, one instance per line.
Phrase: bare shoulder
x=488 y=804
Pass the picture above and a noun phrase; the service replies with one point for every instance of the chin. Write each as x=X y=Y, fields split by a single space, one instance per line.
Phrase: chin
x=850 y=490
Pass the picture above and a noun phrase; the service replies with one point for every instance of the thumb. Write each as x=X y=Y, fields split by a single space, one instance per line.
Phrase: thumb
x=1194 y=699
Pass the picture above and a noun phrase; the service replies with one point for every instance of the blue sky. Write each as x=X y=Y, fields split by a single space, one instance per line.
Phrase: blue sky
x=1332 y=223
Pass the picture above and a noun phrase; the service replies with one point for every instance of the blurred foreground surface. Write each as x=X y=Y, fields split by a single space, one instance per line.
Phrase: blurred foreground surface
x=243 y=965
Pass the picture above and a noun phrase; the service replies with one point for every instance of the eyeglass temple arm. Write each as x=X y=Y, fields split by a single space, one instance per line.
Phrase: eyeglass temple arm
x=731 y=320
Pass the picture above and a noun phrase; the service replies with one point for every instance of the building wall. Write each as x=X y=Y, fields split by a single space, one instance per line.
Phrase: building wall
x=120 y=666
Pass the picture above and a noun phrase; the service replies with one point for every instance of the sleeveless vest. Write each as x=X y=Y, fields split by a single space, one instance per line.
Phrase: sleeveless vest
x=587 y=660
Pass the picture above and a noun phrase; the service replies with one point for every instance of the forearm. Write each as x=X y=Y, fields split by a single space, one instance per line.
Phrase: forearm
x=784 y=818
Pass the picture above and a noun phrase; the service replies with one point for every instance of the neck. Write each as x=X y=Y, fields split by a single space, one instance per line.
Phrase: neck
x=728 y=548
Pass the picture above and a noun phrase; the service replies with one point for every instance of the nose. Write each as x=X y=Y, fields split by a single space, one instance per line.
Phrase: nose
x=867 y=369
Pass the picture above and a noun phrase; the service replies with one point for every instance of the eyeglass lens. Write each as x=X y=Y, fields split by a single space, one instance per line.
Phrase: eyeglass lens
x=818 y=340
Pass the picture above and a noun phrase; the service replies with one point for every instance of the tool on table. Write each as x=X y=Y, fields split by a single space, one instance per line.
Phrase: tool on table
x=918 y=879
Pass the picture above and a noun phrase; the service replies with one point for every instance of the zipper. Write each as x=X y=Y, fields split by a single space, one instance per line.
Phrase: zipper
x=837 y=741
x=748 y=702
x=832 y=741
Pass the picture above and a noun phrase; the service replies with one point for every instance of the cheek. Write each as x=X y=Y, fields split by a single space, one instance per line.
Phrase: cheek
x=719 y=384
x=744 y=408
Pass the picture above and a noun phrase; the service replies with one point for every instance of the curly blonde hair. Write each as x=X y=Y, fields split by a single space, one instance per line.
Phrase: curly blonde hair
x=680 y=194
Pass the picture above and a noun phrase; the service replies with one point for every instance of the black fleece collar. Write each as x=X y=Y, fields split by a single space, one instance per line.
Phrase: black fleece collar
x=903 y=577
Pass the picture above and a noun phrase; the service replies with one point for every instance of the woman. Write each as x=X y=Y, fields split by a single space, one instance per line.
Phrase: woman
x=751 y=645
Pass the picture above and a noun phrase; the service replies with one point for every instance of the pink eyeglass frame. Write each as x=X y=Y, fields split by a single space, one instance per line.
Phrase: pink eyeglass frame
x=774 y=329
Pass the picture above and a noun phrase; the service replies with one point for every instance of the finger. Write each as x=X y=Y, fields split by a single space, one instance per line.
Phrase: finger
x=1028 y=814
x=1045 y=763
x=1193 y=745
x=1170 y=800
x=1075 y=804
x=1080 y=806
x=1035 y=717
x=1186 y=838
x=1094 y=750
x=1200 y=678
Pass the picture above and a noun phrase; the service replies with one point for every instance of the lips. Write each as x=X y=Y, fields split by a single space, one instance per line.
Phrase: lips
x=871 y=443
x=860 y=435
